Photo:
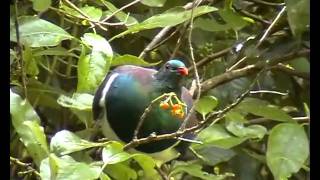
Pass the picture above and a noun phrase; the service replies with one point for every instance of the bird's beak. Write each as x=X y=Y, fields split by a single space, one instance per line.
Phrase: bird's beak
x=183 y=71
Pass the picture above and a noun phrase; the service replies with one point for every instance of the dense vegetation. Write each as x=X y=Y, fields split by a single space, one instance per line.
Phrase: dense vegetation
x=251 y=79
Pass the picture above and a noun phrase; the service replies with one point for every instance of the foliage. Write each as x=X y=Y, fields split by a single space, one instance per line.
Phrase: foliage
x=65 y=49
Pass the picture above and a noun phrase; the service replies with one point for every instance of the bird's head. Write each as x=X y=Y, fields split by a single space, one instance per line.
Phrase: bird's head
x=171 y=73
x=176 y=67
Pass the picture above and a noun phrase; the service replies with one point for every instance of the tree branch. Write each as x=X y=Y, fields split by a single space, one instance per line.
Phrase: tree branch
x=285 y=69
x=160 y=35
x=30 y=169
x=247 y=70
x=211 y=57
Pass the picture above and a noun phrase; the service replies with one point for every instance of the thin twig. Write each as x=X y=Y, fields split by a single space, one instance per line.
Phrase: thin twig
x=30 y=169
x=266 y=3
x=192 y=109
x=166 y=39
x=221 y=114
x=86 y=17
x=19 y=49
x=253 y=16
x=266 y=33
x=179 y=42
x=268 y=92
x=263 y=120
x=211 y=57
x=121 y=9
x=288 y=70
x=146 y=111
x=154 y=41
x=160 y=35
x=237 y=73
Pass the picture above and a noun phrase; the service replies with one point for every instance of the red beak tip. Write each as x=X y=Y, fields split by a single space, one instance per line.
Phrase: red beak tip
x=183 y=71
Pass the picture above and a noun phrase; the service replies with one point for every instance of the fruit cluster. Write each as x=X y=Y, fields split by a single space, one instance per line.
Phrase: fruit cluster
x=176 y=109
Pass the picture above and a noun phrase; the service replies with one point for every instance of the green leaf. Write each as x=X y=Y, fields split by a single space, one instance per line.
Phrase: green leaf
x=212 y=155
x=121 y=171
x=103 y=176
x=298 y=12
x=92 y=12
x=196 y=171
x=67 y=168
x=131 y=60
x=153 y=3
x=35 y=32
x=262 y=108
x=287 y=150
x=79 y=101
x=123 y=17
x=98 y=43
x=93 y=67
x=65 y=142
x=13 y=56
x=300 y=64
x=206 y=105
x=26 y=123
x=41 y=5
x=232 y=20
x=171 y=17
x=253 y=131
x=217 y=136
x=55 y=51
x=30 y=65
x=45 y=95
x=113 y=153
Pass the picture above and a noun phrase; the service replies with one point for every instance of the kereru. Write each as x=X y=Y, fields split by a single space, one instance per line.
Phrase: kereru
x=127 y=91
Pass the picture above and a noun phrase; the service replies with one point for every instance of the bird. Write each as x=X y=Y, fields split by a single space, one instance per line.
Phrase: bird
x=128 y=90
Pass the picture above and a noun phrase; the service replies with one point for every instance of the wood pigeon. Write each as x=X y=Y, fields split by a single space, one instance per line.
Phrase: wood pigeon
x=127 y=91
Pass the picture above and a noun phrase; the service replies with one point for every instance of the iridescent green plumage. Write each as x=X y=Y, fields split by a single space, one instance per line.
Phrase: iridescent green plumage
x=128 y=90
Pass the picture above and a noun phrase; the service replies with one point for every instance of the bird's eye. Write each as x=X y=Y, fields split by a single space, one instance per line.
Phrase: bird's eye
x=167 y=66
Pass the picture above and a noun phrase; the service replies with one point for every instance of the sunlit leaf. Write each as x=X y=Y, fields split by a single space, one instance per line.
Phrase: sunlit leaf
x=68 y=168
x=93 y=13
x=30 y=65
x=121 y=171
x=41 y=5
x=79 y=101
x=170 y=17
x=36 y=32
x=206 y=105
x=288 y=149
x=217 y=136
x=154 y=3
x=122 y=16
x=131 y=60
x=253 y=131
x=113 y=153
x=65 y=142
x=93 y=67
x=26 y=123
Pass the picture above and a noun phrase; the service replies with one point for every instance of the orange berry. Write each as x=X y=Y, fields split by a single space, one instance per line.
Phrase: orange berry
x=164 y=105
x=176 y=106
x=178 y=113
